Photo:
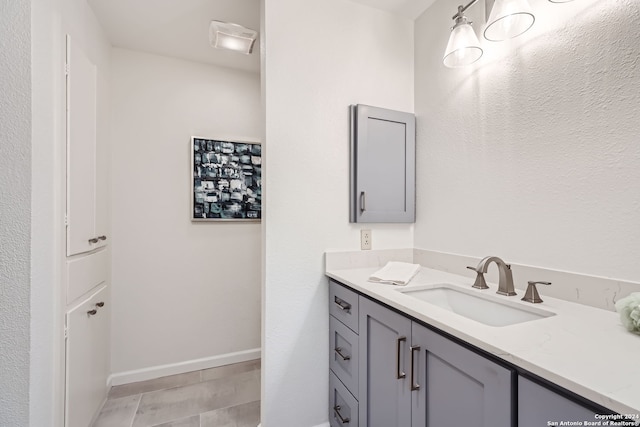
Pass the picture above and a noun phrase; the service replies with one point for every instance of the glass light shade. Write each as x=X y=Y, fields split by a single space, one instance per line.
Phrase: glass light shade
x=508 y=19
x=224 y=35
x=463 y=47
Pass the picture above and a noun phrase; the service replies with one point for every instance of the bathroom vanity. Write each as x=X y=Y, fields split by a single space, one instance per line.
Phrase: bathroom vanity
x=398 y=360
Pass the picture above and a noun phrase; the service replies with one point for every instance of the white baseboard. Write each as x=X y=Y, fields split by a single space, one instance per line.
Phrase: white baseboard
x=154 y=372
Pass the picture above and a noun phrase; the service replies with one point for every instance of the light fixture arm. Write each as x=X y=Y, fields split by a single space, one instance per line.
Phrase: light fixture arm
x=462 y=9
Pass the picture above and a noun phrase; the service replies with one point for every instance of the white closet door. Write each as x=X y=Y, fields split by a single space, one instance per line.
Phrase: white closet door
x=87 y=359
x=81 y=151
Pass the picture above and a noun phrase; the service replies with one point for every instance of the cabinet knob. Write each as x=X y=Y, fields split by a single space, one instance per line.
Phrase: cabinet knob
x=102 y=238
x=94 y=240
x=92 y=312
x=100 y=304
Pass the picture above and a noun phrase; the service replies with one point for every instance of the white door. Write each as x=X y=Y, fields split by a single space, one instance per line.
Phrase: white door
x=81 y=81
x=87 y=359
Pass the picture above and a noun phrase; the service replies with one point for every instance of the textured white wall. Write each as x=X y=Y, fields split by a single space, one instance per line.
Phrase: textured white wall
x=320 y=57
x=181 y=290
x=533 y=153
x=15 y=210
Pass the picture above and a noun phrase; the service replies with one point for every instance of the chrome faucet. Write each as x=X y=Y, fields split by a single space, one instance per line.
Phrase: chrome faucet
x=505 y=282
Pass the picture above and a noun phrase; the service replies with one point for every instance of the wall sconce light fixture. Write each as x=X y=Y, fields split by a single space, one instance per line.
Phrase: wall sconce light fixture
x=225 y=35
x=463 y=47
x=508 y=19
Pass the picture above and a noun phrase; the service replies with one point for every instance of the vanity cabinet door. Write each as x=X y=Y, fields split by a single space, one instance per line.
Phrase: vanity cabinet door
x=455 y=387
x=384 y=395
x=538 y=405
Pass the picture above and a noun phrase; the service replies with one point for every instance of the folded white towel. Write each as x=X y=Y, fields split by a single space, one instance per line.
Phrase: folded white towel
x=395 y=273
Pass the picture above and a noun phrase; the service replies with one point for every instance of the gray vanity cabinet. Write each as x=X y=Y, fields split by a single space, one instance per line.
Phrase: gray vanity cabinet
x=412 y=376
x=388 y=370
x=454 y=387
x=538 y=405
x=384 y=393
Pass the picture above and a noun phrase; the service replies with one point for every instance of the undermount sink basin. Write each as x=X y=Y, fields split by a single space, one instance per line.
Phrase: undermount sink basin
x=488 y=309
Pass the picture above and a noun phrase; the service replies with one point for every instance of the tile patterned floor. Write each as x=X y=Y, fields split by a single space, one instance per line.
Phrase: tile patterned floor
x=227 y=396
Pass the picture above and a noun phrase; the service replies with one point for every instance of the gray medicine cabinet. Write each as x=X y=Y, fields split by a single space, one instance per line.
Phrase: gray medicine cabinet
x=382 y=165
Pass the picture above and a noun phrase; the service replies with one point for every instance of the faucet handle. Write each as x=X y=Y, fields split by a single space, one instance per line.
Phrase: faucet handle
x=532 y=295
x=480 y=283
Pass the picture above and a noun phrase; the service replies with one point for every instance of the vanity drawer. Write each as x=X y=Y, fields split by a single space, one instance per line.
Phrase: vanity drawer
x=343 y=305
x=343 y=407
x=343 y=356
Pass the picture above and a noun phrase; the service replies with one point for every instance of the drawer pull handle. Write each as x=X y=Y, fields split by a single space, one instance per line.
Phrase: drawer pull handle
x=336 y=409
x=100 y=304
x=342 y=305
x=399 y=373
x=94 y=240
x=339 y=351
x=414 y=385
x=102 y=238
x=362 y=198
x=92 y=312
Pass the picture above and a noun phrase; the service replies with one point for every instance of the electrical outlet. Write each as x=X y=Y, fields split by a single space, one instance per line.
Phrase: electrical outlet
x=365 y=240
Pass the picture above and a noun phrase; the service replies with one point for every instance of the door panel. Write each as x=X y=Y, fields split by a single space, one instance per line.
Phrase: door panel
x=457 y=386
x=382 y=165
x=385 y=399
x=538 y=405
x=81 y=151
x=87 y=359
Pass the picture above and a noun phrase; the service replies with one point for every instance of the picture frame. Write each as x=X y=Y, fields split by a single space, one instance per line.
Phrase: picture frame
x=226 y=180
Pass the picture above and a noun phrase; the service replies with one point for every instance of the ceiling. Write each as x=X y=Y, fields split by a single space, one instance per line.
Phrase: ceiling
x=408 y=8
x=180 y=28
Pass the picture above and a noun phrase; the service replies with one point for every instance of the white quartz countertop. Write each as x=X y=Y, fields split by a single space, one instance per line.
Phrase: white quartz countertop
x=583 y=349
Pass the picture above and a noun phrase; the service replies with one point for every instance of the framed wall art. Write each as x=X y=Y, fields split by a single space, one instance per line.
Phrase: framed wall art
x=226 y=183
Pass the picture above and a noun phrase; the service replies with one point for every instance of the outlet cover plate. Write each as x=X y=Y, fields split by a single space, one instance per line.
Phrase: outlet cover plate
x=365 y=240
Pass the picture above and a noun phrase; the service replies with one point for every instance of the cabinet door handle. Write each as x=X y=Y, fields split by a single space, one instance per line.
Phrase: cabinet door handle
x=362 y=208
x=342 y=305
x=100 y=304
x=94 y=240
x=92 y=312
x=102 y=237
x=414 y=384
x=339 y=351
x=399 y=373
x=336 y=409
